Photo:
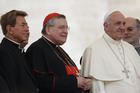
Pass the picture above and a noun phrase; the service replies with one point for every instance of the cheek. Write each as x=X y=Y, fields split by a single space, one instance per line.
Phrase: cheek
x=17 y=34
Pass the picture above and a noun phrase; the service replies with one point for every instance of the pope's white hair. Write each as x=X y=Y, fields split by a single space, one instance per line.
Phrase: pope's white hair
x=106 y=17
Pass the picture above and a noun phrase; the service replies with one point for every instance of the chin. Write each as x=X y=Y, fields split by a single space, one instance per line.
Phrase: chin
x=26 y=38
x=62 y=42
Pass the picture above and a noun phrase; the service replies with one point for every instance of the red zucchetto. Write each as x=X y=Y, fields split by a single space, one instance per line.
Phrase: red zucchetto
x=49 y=16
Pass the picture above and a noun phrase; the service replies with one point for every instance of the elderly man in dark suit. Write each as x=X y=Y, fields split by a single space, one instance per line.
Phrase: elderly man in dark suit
x=54 y=70
x=12 y=62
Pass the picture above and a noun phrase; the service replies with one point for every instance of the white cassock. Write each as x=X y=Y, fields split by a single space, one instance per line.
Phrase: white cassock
x=105 y=61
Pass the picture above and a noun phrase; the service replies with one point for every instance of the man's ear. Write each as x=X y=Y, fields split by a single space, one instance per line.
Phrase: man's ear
x=47 y=30
x=9 y=29
x=105 y=26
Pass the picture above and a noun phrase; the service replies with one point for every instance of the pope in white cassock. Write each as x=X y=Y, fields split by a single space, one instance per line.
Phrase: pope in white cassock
x=113 y=64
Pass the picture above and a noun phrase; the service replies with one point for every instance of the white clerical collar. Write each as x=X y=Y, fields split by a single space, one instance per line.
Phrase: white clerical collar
x=109 y=39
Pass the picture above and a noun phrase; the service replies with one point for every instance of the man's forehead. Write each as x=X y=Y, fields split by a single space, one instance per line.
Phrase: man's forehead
x=109 y=13
x=117 y=15
x=130 y=20
x=60 y=21
x=21 y=22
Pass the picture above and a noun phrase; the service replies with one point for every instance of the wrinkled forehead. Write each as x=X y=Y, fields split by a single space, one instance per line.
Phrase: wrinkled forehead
x=130 y=21
x=60 y=21
x=20 y=19
x=116 y=16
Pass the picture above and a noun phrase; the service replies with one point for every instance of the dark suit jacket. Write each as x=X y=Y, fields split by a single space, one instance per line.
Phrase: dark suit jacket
x=138 y=50
x=49 y=70
x=3 y=86
x=14 y=70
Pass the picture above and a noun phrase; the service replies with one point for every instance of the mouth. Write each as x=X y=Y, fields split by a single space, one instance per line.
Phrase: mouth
x=121 y=31
x=64 y=35
x=27 y=34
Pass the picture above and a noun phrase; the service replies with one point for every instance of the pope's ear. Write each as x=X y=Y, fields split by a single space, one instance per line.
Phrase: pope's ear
x=105 y=24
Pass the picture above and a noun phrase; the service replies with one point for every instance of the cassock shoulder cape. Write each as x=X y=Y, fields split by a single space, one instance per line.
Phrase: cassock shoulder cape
x=99 y=61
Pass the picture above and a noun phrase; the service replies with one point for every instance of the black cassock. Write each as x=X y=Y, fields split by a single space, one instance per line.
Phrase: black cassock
x=3 y=86
x=13 y=69
x=53 y=74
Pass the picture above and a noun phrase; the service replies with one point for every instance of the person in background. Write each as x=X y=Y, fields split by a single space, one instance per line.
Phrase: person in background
x=112 y=63
x=132 y=32
x=54 y=70
x=13 y=68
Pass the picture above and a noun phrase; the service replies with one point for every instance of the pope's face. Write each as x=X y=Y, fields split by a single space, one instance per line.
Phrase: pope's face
x=115 y=26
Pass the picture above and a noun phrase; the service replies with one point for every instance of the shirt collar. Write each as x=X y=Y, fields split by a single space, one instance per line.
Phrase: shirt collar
x=12 y=41
x=49 y=41
x=22 y=49
x=109 y=39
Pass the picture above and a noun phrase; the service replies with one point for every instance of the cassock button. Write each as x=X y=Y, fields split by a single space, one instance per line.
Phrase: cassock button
x=37 y=89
